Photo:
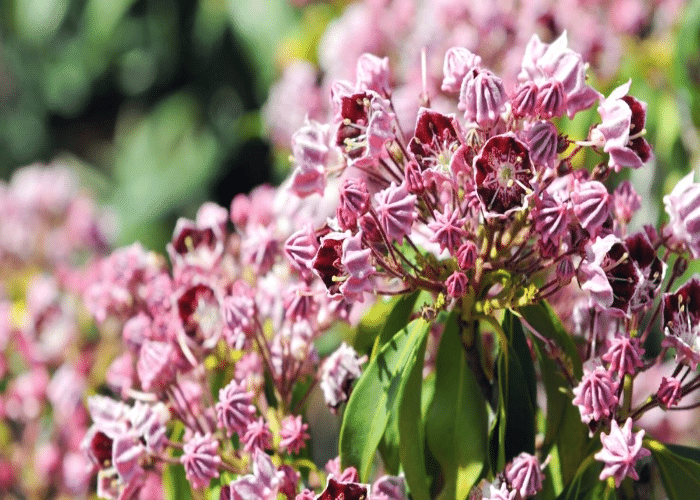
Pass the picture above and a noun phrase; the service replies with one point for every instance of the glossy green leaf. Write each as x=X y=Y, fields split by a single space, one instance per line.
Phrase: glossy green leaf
x=517 y=394
x=456 y=423
x=563 y=427
x=175 y=483
x=543 y=319
x=411 y=434
x=374 y=396
x=680 y=475
x=586 y=485
x=395 y=321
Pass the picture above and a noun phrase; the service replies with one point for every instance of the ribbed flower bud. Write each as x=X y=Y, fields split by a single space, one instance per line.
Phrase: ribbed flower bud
x=482 y=97
x=596 y=394
x=456 y=284
x=669 y=393
x=234 y=410
x=551 y=100
x=458 y=62
x=524 y=475
x=396 y=210
x=542 y=140
x=466 y=255
x=524 y=100
x=624 y=355
x=201 y=460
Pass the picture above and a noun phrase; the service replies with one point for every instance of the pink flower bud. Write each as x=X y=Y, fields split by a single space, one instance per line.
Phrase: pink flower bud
x=257 y=435
x=624 y=355
x=458 y=62
x=456 y=284
x=482 y=97
x=293 y=434
x=466 y=255
x=524 y=101
x=234 y=410
x=596 y=394
x=543 y=141
x=201 y=460
x=669 y=393
x=396 y=211
x=448 y=229
x=524 y=475
x=621 y=450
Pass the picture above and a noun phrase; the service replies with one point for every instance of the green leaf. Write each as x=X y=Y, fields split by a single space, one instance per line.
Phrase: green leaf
x=542 y=318
x=563 y=426
x=456 y=424
x=374 y=396
x=411 y=432
x=395 y=321
x=586 y=484
x=517 y=395
x=175 y=484
x=680 y=475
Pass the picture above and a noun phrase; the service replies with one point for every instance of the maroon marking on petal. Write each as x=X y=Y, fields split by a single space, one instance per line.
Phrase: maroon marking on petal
x=343 y=491
x=327 y=263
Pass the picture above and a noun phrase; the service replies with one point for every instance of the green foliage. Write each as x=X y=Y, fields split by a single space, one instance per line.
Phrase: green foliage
x=563 y=427
x=514 y=428
x=384 y=383
x=175 y=483
x=456 y=423
x=680 y=472
x=585 y=484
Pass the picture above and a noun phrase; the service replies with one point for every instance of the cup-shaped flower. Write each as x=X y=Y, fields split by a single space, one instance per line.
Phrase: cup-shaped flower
x=596 y=394
x=681 y=320
x=434 y=141
x=621 y=450
x=201 y=459
x=683 y=208
x=338 y=373
x=503 y=173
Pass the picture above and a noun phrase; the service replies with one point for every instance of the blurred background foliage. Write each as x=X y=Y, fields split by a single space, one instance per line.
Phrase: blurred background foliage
x=157 y=102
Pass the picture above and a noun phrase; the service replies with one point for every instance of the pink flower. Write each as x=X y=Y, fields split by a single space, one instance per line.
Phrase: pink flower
x=257 y=435
x=669 y=392
x=201 y=460
x=354 y=203
x=234 y=410
x=482 y=97
x=435 y=141
x=595 y=394
x=293 y=434
x=448 y=229
x=338 y=373
x=626 y=201
x=681 y=321
x=396 y=211
x=624 y=355
x=621 y=450
x=683 y=208
x=458 y=62
x=621 y=132
x=524 y=475
x=502 y=493
x=372 y=74
x=456 y=284
x=300 y=249
x=502 y=173
x=542 y=139
x=155 y=365
x=311 y=150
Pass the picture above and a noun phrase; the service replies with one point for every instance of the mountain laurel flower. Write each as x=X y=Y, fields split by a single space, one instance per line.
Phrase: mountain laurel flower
x=127 y=451
x=621 y=450
x=311 y=150
x=448 y=229
x=257 y=435
x=482 y=97
x=354 y=203
x=524 y=475
x=234 y=410
x=338 y=373
x=683 y=208
x=592 y=205
x=669 y=393
x=681 y=321
x=372 y=73
x=502 y=173
x=466 y=255
x=502 y=493
x=524 y=101
x=456 y=284
x=201 y=459
x=624 y=355
x=155 y=365
x=458 y=62
x=293 y=434
x=542 y=139
x=396 y=211
x=621 y=132
x=596 y=394
x=263 y=484
x=300 y=249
